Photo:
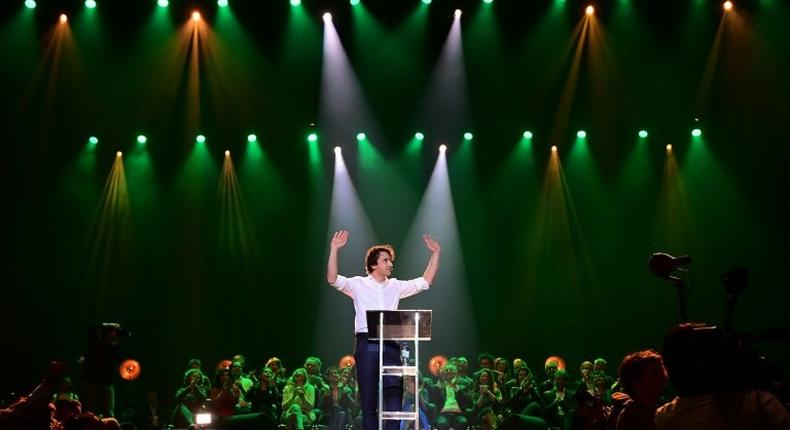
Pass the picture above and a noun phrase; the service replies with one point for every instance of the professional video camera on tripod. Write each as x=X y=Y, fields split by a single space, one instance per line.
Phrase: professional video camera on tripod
x=717 y=360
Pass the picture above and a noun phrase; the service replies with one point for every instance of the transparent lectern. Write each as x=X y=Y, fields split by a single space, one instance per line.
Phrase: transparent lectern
x=404 y=326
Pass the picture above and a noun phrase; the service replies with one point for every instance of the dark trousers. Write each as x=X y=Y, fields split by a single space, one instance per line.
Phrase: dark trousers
x=366 y=355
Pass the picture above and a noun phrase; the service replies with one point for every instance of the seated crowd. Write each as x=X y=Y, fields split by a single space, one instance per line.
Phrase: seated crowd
x=498 y=394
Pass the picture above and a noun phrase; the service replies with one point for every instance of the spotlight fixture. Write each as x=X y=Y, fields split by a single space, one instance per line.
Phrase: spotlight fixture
x=468 y=136
x=669 y=147
x=63 y=18
x=327 y=17
x=696 y=132
x=252 y=138
x=727 y=5
x=222 y=3
x=227 y=153
x=442 y=148
x=527 y=135
x=296 y=2
x=581 y=134
x=553 y=148
x=426 y=1
x=90 y=4
x=488 y=1
x=93 y=140
x=162 y=3
x=119 y=154
x=312 y=137
x=643 y=134
x=419 y=136
x=200 y=138
x=589 y=10
x=30 y=4
x=196 y=16
x=457 y=13
x=361 y=136
x=338 y=150
x=353 y=2
x=141 y=139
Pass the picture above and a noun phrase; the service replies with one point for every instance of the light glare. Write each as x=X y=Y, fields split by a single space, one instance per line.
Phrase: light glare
x=581 y=134
x=354 y=2
x=426 y=1
x=337 y=150
x=553 y=148
x=30 y=4
x=696 y=132
x=296 y=2
x=361 y=136
x=142 y=139
x=312 y=137
x=119 y=154
x=727 y=6
x=200 y=138
x=227 y=153
x=252 y=138
x=468 y=136
x=93 y=140
x=327 y=17
x=90 y=4
x=222 y=3
x=419 y=136
x=442 y=148
x=196 y=16
x=63 y=18
x=643 y=133
x=527 y=135
x=162 y=3
x=457 y=13
x=589 y=10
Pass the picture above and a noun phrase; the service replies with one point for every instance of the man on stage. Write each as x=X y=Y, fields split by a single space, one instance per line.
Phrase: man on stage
x=377 y=291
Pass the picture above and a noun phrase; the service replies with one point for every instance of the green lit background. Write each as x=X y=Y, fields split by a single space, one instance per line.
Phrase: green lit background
x=207 y=256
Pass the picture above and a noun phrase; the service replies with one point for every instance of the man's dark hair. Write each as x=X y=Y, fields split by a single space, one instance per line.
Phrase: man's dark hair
x=194 y=362
x=372 y=256
x=634 y=366
x=483 y=356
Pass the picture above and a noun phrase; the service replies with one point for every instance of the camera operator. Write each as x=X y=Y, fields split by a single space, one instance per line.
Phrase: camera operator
x=706 y=372
x=100 y=367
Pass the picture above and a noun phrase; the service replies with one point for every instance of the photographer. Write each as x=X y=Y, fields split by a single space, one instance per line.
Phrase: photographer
x=100 y=367
x=705 y=370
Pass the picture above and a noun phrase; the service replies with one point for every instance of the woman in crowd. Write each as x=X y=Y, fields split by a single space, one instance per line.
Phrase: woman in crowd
x=190 y=398
x=487 y=400
x=298 y=401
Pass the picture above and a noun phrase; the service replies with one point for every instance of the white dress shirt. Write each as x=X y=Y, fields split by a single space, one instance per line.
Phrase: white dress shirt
x=370 y=295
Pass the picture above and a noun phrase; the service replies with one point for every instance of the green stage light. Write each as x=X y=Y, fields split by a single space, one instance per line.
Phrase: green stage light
x=93 y=140
x=162 y=3
x=312 y=137
x=30 y=4
x=354 y=2
x=468 y=136
x=90 y=4
x=200 y=138
x=142 y=139
x=527 y=135
x=643 y=134
x=581 y=134
x=426 y=1
x=419 y=136
x=222 y=3
x=488 y=1
x=296 y=2
x=361 y=136
x=696 y=132
x=252 y=138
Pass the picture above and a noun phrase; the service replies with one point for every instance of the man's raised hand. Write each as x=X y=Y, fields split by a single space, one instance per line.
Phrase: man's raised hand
x=339 y=239
x=431 y=243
